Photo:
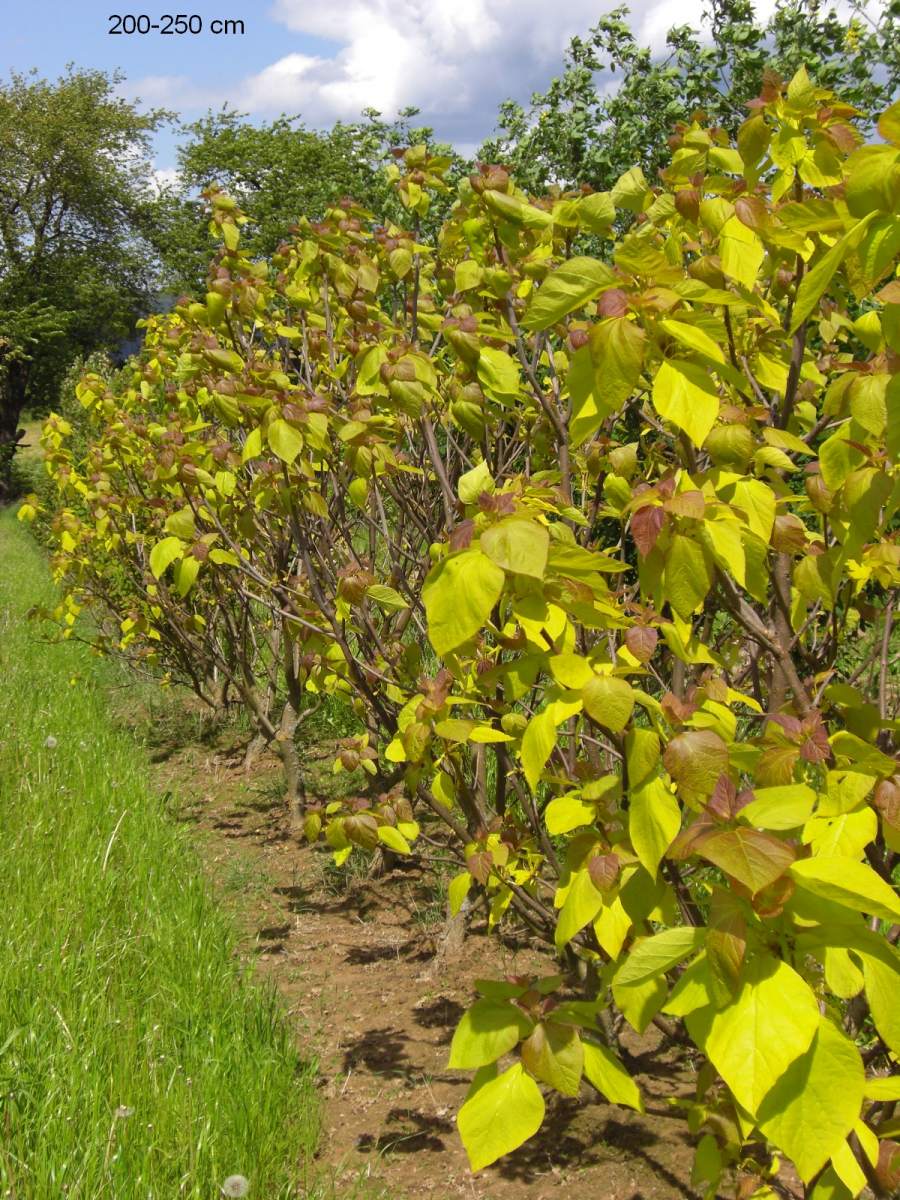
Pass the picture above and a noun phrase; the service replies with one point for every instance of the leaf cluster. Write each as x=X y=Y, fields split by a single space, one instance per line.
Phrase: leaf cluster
x=581 y=131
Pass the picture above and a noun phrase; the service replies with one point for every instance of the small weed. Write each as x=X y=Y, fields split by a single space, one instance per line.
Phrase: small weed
x=341 y=880
x=335 y=719
x=243 y=877
x=431 y=911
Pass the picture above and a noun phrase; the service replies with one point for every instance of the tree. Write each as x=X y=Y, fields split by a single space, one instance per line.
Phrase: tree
x=21 y=333
x=576 y=131
x=604 y=554
x=74 y=182
x=277 y=172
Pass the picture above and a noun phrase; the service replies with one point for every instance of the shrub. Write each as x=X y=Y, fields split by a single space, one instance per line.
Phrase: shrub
x=603 y=553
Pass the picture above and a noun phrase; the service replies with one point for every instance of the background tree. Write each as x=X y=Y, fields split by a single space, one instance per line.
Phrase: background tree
x=578 y=131
x=277 y=172
x=20 y=333
x=75 y=193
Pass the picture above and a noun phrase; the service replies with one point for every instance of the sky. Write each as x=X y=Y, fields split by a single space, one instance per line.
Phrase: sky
x=456 y=60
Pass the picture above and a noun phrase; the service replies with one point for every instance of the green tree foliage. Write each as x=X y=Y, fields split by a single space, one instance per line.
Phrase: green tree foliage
x=277 y=172
x=579 y=132
x=24 y=332
x=604 y=554
x=74 y=177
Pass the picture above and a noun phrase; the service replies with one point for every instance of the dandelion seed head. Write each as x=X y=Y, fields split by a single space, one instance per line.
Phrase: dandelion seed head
x=236 y=1185
x=124 y=1111
x=50 y=742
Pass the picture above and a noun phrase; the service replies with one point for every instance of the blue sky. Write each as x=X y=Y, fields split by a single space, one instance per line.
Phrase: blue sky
x=48 y=34
x=454 y=59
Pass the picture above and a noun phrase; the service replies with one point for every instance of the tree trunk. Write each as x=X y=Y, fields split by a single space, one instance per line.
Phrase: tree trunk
x=286 y=747
x=779 y=687
x=255 y=747
x=12 y=404
x=217 y=689
x=451 y=939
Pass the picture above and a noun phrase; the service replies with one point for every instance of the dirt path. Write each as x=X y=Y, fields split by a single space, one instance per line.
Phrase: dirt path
x=354 y=965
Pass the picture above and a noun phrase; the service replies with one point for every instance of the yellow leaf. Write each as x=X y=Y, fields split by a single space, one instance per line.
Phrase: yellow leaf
x=694 y=338
x=753 y=1040
x=684 y=394
x=741 y=252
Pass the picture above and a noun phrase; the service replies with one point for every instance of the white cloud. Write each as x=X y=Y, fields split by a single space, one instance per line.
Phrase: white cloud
x=455 y=60
x=164 y=177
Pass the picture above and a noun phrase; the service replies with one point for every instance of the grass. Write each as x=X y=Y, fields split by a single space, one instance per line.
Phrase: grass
x=137 y=1059
x=27 y=465
x=30 y=450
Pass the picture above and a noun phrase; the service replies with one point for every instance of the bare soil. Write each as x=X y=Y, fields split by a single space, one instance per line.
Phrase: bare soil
x=354 y=959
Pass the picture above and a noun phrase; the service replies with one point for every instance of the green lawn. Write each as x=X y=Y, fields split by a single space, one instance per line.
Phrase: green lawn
x=136 y=1059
